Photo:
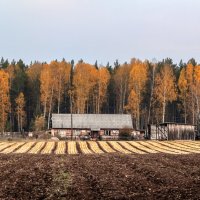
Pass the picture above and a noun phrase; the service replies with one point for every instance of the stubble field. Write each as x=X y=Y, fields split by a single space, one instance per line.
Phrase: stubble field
x=99 y=147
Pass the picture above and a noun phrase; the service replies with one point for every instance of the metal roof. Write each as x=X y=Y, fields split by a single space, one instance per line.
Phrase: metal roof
x=92 y=121
x=175 y=123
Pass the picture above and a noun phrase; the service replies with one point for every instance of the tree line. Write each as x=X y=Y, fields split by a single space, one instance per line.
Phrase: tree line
x=152 y=92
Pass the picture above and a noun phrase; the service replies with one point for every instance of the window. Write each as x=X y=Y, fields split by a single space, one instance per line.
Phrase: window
x=107 y=132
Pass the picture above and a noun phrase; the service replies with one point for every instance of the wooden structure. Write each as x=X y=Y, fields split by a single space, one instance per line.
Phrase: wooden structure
x=171 y=131
x=93 y=125
x=198 y=127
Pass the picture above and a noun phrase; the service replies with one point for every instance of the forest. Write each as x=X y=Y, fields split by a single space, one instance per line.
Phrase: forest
x=152 y=92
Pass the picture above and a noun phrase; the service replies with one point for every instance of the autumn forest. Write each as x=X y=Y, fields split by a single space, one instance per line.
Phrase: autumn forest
x=152 y=92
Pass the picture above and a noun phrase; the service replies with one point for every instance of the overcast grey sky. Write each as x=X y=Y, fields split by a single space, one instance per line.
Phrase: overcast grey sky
x=102 y=30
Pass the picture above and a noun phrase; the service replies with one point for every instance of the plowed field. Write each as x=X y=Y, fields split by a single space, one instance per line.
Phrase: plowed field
x=99 y=176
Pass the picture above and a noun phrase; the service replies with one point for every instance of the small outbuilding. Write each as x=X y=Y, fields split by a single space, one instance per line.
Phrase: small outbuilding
x=95 y=125
x=198 y=127
x=171 y=131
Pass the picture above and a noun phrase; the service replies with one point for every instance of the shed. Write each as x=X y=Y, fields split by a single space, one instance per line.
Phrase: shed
x=171 y=131
x=198 y=127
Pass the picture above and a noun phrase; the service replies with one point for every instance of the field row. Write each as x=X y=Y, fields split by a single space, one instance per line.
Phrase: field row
x=100 y=147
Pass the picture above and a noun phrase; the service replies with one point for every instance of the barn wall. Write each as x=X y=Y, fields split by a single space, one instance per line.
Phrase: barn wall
x=171 y=131
x=151 y=132
x=181 y=132
x=66 y=133
x=114 y=132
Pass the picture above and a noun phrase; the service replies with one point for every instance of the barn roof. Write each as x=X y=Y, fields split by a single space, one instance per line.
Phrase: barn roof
x=92 y=121
x=175 y=123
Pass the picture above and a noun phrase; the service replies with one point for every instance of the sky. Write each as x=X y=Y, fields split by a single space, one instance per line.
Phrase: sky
x=102 y=30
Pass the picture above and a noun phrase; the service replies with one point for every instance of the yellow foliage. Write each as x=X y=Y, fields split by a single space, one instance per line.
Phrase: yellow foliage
x=165 y=88
x=45 y=86
x=189 y=82
x=20 y=102
x=85 y=78
x=121 y=79
x=4 y=99
x=39 y=123
x=137 y=81
x=102 y=84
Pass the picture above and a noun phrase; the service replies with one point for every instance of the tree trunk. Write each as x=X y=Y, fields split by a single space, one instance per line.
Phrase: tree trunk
x=138 y=117
x=193 y=109
x=3 y=110
x=121 y=97
x=58 y=103
x=185 y=114
x=197 y=104
x=98 y=105
x=124 y=97
x=59 y=95
x=18 y=122
x=151 y=95
x=21 y=123
x=50 y=107
x=71 y=110
x=138 y=112
x=164 y=107
x=45 y=108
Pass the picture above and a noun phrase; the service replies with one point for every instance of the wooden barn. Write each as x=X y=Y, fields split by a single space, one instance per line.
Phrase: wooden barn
x=171 y=131
x=94 y=125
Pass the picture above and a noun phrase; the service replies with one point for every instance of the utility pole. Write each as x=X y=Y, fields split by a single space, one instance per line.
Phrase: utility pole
x=71 y=114
x=71 y=96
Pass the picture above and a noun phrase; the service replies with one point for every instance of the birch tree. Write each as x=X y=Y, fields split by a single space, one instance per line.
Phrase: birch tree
x=121 y=81
x=137 y=82
x=189 y=82
x=102 y=84
x=184 y=90
x=20 y=112
x=45 y=85
x=62 y=73
x=85 y=76
x=165 y=88
x=152 y=72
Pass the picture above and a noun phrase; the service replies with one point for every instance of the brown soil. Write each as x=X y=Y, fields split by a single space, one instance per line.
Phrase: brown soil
x=108 y=176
